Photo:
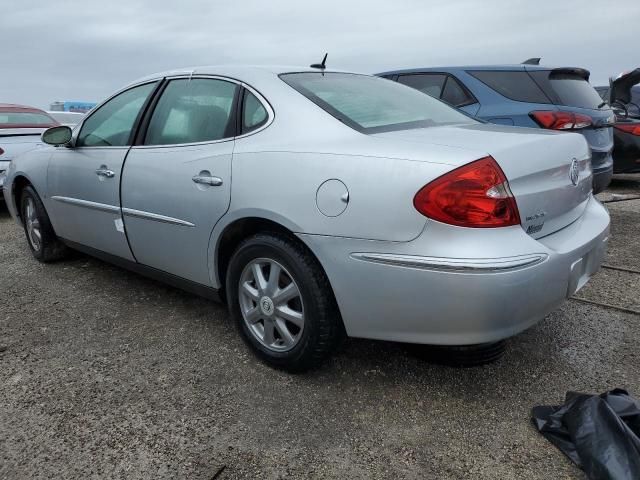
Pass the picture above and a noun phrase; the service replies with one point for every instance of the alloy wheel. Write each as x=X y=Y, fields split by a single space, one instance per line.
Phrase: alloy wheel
x=33 y=225
x=271 y=304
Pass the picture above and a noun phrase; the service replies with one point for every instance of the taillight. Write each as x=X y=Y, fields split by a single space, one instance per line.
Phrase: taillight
x=1 y=151
x=561 y=120
x=632 y=128
x=474 y=195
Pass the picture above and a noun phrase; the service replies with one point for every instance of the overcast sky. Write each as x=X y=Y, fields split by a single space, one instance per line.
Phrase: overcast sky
x=84 y=50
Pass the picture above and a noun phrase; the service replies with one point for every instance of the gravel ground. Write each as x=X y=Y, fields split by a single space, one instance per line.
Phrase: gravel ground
x=105 y=374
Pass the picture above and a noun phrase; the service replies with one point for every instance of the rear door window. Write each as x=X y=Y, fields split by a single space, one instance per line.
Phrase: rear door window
x=254 y=115
x=429 y=83
x=191 y=111
x=518 y=86
x=455 y=95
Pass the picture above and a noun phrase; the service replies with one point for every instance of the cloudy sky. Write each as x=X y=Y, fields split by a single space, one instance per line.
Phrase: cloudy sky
x=84 y=50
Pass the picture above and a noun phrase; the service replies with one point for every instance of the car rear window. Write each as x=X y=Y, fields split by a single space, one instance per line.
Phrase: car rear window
x=574 y=91
x=372 y=104
x=12 y=118
x=517 y=86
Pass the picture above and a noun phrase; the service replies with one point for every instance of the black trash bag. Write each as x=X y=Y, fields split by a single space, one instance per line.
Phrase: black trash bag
x=599 y=433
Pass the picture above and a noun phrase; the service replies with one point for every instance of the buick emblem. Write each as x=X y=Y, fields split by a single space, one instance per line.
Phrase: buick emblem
x=266 y=305
x=574 y=171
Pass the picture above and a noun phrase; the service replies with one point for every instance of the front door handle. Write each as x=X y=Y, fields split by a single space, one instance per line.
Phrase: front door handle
x=207 y=180
x=103 y=171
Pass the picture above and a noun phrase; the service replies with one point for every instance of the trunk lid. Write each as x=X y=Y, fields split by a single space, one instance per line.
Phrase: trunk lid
x=621 y=86
x=18 y=140
x=540 y=165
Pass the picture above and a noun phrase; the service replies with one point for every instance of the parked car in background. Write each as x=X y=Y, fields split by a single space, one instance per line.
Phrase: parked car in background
x=356 y=205
x=20 y=130
x=527 y=96
x=623 y=95
x=70 y=119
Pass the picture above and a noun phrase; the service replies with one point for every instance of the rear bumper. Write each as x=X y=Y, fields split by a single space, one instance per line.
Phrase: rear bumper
x=460 y=287
x=602 y=174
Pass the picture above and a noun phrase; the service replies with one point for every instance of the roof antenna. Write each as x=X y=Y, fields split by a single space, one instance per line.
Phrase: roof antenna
x=532 y=61
x=322 y=65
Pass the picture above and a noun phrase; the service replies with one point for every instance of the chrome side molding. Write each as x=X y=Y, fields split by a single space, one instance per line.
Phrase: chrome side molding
x=130 y=212
x=103 y=207
x=453 y=264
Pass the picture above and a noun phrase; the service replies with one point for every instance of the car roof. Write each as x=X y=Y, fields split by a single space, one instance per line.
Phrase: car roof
x=502 y=67
x=15 y=106
x=238 y=72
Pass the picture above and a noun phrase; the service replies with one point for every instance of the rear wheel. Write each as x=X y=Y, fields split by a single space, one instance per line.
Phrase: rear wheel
x=42 y=240
x=282 y=302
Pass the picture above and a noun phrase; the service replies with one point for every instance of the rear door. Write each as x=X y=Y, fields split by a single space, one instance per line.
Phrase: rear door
x=177 y=182
x=84 y=181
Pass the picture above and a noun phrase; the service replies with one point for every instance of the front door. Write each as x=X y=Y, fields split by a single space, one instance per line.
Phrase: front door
x=84 y=180
x=177 y=184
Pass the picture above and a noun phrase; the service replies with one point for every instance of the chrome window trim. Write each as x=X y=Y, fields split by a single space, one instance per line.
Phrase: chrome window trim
x=460 y=265
x=131 y=212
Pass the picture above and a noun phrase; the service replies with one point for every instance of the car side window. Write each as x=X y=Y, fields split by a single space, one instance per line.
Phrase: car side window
x=254 y=115
x=455 y=95
x=111 y=124
x=191 y=111
x=429 y=83
x=518 y=86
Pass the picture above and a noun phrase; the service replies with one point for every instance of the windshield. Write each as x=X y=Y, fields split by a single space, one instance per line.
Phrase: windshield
x=575 y=91
x=372 y=104
x=16 y=118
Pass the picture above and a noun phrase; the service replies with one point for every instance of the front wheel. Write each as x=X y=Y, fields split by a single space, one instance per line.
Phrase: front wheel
x=42 y=240
x=282 y=302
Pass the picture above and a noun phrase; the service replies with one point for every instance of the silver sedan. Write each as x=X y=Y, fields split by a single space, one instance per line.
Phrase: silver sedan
x=320 y=204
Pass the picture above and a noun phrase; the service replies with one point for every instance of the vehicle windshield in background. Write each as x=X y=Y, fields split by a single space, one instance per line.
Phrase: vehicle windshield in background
x=12 y=119
x=372 y=104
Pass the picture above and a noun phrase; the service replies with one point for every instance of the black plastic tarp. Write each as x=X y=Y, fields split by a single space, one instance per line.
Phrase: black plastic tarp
x=599 y=433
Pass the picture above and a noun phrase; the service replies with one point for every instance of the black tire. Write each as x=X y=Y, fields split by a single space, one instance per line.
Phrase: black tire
x=460 y=356
x=323 y=330
x=50 y=247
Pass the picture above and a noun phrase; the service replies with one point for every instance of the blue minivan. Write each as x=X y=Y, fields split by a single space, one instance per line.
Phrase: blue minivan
x=525 y=95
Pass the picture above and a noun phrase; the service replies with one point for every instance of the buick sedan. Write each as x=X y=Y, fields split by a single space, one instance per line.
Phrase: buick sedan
x=319 y=204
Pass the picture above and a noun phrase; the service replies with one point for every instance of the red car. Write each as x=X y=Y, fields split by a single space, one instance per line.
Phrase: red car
x=20 y=130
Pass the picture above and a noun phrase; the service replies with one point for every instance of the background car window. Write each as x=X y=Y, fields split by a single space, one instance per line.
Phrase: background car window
x=574 y=91
x=428 y=83
x=111 y=124
x=517 y=86
x=455 y=95
x=254 y=115
x=190 y=111
x=9 y=118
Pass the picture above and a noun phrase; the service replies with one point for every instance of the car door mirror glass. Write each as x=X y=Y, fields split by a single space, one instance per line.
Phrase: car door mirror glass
x=60 y=135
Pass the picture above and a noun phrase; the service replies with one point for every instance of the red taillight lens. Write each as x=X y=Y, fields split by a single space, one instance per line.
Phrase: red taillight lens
x=475 y=195
x=1 y=151
x=632 y=128
x=561 y=120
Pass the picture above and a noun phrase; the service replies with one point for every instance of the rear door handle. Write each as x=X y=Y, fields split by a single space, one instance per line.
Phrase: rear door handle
x=207 y=180
x=105 y=172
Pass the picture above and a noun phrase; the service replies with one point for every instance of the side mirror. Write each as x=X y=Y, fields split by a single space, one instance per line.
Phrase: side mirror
x=57 y=135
